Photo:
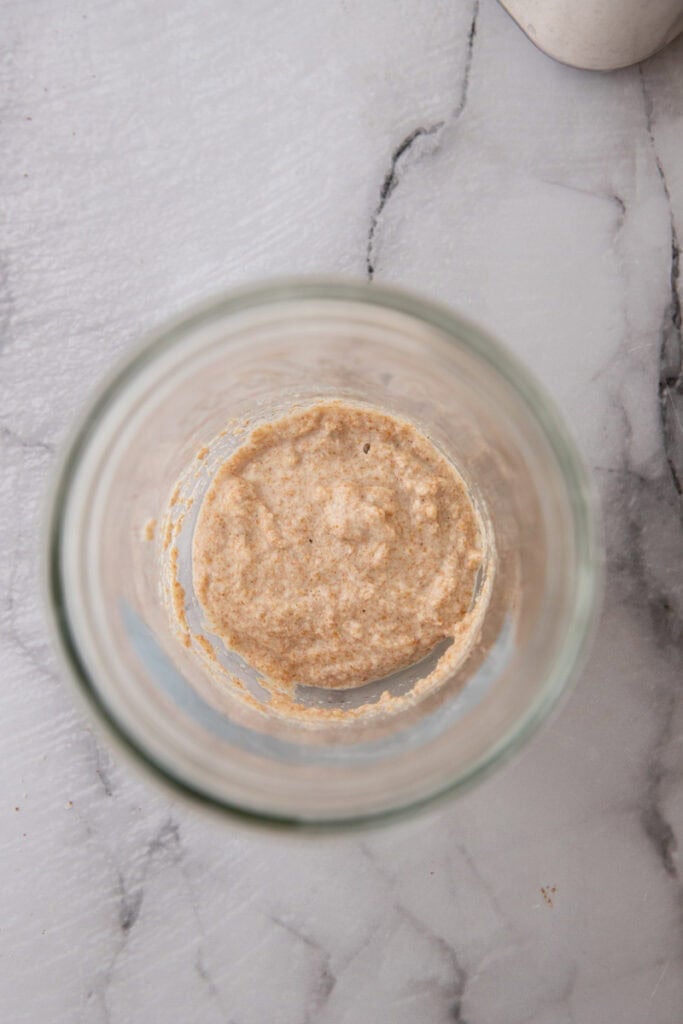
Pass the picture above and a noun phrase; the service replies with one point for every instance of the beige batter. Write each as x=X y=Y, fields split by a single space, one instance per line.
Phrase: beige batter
x=335 y=546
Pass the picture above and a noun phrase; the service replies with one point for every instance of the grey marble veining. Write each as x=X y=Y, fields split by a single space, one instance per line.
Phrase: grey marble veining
x=419 y=135
x=153 y=154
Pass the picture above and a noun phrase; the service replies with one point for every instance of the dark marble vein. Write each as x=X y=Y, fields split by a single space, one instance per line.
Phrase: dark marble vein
x=647 y=563
x=390 y=182
x=103 y=774
x=658 y=830
x=610 y=197
x=488 y=890
x=172 y=837
x=101 y=763
x=39 y=655
x=621 y=206
x=650 y=568
x=465 y=87
x=671 y=376
x=401 y=153
x=131 y=895
x=671 y=348
x=22 y=568
x=27 y=443
x=454 y=992
x=130 y=904
x=204 y=974
x=326 y=980
x=165 y=839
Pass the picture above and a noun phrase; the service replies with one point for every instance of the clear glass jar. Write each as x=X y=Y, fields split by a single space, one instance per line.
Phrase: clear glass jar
x=254 y=354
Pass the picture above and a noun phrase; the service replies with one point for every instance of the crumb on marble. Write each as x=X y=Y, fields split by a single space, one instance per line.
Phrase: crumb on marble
x=547 y=892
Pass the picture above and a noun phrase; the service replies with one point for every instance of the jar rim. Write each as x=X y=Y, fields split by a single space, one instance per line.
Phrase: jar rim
x=455 y=329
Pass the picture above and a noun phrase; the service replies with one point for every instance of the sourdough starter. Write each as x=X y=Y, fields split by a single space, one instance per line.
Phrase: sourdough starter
x=335 y=546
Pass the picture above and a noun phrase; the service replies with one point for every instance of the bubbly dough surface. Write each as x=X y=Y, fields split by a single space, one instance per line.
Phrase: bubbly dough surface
x=335 y=546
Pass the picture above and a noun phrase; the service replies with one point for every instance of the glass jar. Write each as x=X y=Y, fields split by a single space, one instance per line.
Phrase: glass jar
x=252 y=356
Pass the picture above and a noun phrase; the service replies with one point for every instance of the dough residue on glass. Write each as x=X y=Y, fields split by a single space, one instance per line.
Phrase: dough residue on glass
x=335 y=546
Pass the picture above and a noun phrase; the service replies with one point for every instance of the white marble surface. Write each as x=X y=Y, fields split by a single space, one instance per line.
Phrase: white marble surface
x=155 y=152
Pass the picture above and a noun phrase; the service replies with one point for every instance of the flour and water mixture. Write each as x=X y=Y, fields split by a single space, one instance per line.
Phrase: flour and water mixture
x=335 y=546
